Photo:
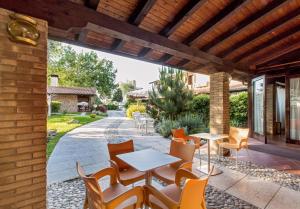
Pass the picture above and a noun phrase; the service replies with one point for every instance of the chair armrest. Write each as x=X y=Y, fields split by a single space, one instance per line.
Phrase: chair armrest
x=196 y=140
x=135 y=192
x=150 y=190
x=183 y=173
x=116 y=167
x=186 y=165
x=110 y=171
x=243 y=140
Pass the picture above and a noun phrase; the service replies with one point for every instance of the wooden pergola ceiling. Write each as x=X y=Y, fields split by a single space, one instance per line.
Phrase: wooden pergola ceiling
x=241 y=37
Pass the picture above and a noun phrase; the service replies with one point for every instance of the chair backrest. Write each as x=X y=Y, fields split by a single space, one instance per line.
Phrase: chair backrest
x=178 y=133
x=120 y=148
x=193 y=194
x=93 y=190
x=183 y=151
x=237 y=134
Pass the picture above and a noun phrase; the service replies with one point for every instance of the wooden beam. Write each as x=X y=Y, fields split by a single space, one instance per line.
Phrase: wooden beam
x=190 y=8
x=136 y=18
x=261 y=32
x=268 y=43
x=257 y=15
x=278 y=54
x=194 y=37
x=183 y=62
x=180 y=17
x=65 y=15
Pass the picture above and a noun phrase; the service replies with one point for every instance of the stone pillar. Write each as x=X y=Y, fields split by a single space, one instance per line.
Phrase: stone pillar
x=219 y=105
x=23 y=115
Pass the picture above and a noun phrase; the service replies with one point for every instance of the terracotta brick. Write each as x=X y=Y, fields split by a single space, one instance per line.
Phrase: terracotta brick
x=7 y=166
x=38 y=198
x=31 y=188
x=15 y=144
x=14 y=171
x=15 y=199
x=39 y=154
x=31 y=123
x=21 y=130
x=8 y=103
x=7 y=152
x=4 y=96
x=7 y=180
x=31 y=149
x=5 y=117
x=7 y=124
x=39 y=179
x=15 y=185
x=30 y=175
x=31 y=136
x=15 y=158
x=30 y=162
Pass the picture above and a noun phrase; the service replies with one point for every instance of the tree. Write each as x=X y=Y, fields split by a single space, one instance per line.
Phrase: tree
x=127 y=87
x=171 y=95
x=117 y=96
x=81 y=69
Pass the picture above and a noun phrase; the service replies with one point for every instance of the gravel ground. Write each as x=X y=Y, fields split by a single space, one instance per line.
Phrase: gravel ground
x=279 y=177
x=70 y=195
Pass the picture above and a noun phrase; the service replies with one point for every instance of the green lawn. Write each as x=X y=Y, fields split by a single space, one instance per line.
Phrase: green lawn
x=62 y=123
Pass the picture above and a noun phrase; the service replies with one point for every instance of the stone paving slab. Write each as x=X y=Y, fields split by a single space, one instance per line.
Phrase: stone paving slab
x=285 y=198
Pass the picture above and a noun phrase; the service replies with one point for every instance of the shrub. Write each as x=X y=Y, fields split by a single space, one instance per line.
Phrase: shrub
x=101 y=108
x=93 y=115
x=239 y=109
x=191 y=122
x=55 y=106
x=200 y=106
x=112 y=106
x=117 y=96
x=165 y=127
x=135 y=108
x=129 y=102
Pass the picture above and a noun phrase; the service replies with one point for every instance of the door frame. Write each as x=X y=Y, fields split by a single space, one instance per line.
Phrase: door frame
x=261 y=137
x=287 y=109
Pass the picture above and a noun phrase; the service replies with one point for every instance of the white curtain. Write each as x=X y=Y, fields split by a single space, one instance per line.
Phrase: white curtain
x=295 y=108
x=280 y=106
x=258 y=105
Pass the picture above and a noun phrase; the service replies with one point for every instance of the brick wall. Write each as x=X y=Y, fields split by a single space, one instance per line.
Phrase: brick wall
x=270 y=108
x=23 y=112
x=219 y=103
x=68 y=102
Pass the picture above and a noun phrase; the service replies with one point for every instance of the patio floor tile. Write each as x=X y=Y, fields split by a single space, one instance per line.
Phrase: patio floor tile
x=254 y=190
x=285 y=198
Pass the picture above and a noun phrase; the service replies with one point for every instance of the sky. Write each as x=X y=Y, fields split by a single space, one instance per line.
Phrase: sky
x=131 y=69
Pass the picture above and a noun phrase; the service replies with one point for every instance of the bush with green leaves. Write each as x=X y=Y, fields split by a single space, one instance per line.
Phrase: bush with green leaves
x=112 y=106
x=191 y=122
x=165 y=126
x=138 y=107
x=118 y=96
x=200 y=105
x=55 y=106
x=93 y=115
x=239 y=109
x=129 y=102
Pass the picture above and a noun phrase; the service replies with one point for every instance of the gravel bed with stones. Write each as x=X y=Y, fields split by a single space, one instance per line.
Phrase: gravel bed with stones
x=70 y=195
x=282 y=178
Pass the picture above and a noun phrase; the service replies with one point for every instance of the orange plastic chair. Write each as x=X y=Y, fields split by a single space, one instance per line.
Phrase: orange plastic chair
x=126 y=174
x=183 y=151
x=238 y=139
x=116 y=196
x=191 y=196
x=179 y=135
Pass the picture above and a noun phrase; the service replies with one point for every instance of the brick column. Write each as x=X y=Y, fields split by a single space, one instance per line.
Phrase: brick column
x=23 y=115
x=219 y=105
x=270 y=109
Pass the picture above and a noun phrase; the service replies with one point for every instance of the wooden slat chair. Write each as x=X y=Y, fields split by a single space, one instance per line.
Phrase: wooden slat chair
x=178 y=134
x=116 y=196
x=183 y=151
x=125 y=173
x=238 y=139
x=191 y=196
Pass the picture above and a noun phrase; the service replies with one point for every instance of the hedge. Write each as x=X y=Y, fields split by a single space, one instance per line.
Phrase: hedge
x=55 y=106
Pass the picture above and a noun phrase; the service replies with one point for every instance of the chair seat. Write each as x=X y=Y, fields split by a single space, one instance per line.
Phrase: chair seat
x=172 y=191
x=130 y=176
x=232 y=146
x=165 y=173
x=114 y=191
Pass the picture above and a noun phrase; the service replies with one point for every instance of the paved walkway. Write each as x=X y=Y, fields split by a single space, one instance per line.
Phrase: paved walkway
x=87 y=145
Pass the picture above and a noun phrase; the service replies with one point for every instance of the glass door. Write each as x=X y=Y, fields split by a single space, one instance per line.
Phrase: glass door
x=258 y=107
x=295 y=109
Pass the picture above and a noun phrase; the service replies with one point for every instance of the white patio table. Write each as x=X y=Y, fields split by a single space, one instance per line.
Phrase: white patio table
x=210 y=137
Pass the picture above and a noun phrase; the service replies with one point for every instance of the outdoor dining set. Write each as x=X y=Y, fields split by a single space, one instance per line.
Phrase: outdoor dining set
x=183 y=189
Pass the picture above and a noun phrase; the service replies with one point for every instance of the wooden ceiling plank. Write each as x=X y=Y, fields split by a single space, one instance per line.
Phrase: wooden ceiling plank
x=195 y=36
x=261 y=32
x=136 y=18
x=183 y=62
x=268 y=43
x=180 y=17
x=278 y=54
x=165 y=58
x=93 y=4
x=258 y=14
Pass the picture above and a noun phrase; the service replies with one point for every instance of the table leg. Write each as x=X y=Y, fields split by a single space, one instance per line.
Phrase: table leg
x=146 y=126
x=206 y=169
x=148 y=182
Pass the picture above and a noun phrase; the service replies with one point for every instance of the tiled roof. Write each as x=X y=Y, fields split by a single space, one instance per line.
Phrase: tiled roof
x=233 y=87
x=71 y=90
